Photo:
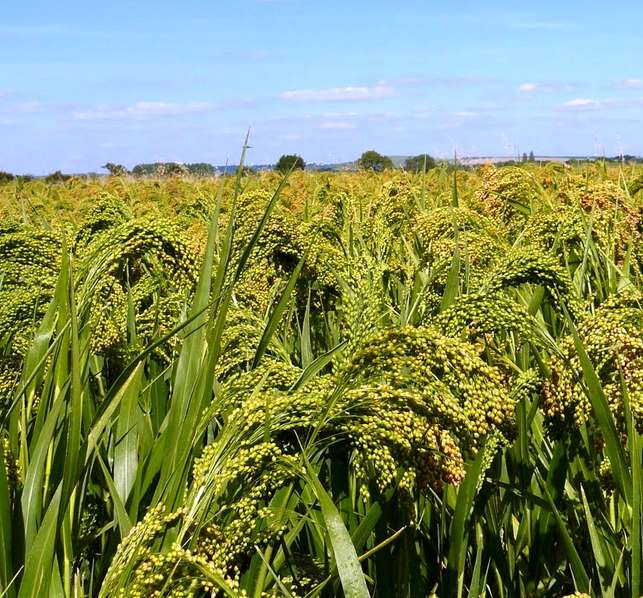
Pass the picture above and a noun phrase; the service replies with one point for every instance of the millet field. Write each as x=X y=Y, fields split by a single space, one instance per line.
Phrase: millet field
x=323 y=384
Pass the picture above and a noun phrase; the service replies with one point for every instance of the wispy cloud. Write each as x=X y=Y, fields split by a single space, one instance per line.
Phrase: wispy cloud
x=140 y=111
x=611 y=103
x=581 y=103
x=548 y=86
x=336 y=124
x=467 y=114
x=633 y=83
x=341 y=94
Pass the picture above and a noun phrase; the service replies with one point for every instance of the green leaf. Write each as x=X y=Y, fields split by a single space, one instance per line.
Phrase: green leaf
x=600 y=558
x=458 y=534
x=348 y=566
x=603 y=415
x=454 y=191
x=31 y=498
x=6 y=529
x=73 y=456
x=317 y=365
x=306 y=343
x=452 y=287
x=575 y=562
x=120 y=514
x=636 y=532
x=40 y=555
x=126 y=441
x=275 y=316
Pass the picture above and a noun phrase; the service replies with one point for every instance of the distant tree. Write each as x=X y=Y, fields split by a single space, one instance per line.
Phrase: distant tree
x=6 y=177
x=419 y=163
x=531 y=157
x=144 y=169
x=115 y=169
x=170 y=169
x=57 y=177
x=201 y=169
x=524 y=157
x=372 y=160
x=289 y=162
x=174 y=169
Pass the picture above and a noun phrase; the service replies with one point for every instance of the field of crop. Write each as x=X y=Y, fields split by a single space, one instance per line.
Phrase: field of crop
x=353 y=384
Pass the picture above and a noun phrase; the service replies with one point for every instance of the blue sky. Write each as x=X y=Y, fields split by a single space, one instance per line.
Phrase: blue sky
x=82 y=83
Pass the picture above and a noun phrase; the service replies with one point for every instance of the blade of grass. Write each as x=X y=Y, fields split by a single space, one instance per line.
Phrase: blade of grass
x=40 y=555
x=458 y=534
x=453 y=277
x=636 y=532
x=348 y=566
x=6 y=531
x=575 y=562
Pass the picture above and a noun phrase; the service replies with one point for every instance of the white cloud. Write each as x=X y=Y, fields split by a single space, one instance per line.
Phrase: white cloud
x=340 y=94
x=466 y=114
x=140 y=110
x=633 y=83
x=547 y=87
x=581 y=103
x=336 y=124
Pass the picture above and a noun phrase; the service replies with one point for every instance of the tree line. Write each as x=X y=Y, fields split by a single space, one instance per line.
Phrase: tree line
x=370 y=160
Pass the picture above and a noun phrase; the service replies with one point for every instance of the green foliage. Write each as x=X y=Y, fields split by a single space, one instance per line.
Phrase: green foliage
x=115 y=169
x=419 y=163
x=289 y=162
x=372 y=160
x=57 y=177
x=201 y=169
